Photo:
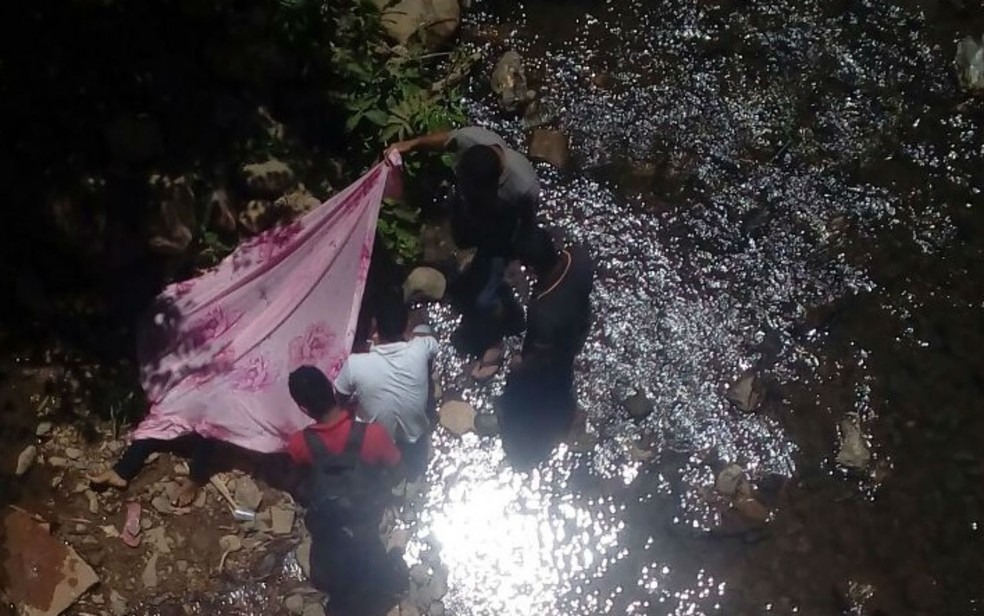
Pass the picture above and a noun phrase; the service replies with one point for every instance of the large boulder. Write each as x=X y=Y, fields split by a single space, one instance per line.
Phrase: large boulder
x=435 y=22
x=424 y=284
x=509 y=82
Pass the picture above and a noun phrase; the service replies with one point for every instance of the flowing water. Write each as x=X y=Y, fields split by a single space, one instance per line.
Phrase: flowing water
x=785 y=186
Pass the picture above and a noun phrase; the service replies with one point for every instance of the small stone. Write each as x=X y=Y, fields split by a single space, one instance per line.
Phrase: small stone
x=93 y=501
x=853 y=453
x=98 y=599
x=551 y=146
x=247 y=493
x=638 y=405
x=294 y=604
x=57 y=462
x=162 y=504
x=457 y=417
x=158 y=539
x=81 y=528
x=746 y=393
x=43 y=429
x=486 y=424
x=73 y=453
x=117 y=603
x=182 y=565
x=146 y=523
x=181 y=469
x=729 y=479
x=424 y=283
x=26 y=460
x=56 y=481
x=231 y=543
x=149 y=575
x=282 y=520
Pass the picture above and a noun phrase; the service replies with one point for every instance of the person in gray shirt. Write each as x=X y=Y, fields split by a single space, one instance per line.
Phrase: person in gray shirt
x=497 y=194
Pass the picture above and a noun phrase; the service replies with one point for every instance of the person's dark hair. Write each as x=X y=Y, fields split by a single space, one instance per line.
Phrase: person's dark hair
x=536 y=249
x=391 y=318
x=311 y=390
x=479 y=168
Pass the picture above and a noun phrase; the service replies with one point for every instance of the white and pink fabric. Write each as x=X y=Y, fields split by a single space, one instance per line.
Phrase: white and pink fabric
x=216 y=356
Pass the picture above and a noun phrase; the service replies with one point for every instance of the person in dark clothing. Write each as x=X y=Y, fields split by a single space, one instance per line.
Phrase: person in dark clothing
x=497 y=193
x=538 y=402
x=343 y=499
x=135 y=456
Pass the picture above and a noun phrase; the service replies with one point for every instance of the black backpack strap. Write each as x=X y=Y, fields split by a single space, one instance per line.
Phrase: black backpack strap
x=319 y=453
x=353 y=445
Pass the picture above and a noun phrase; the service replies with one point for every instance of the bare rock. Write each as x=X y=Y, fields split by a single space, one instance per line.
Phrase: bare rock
x=434 y=22
x=149 y=575
x=853 y=453
x=746 y=394
x=247 y=493
x=281 y=520
x=551 y=146
x=26 y=460
x=46 y=576
x=424 y=283
x=157 y=538
x=43 y=429
x=457 y=417
x=268 y=179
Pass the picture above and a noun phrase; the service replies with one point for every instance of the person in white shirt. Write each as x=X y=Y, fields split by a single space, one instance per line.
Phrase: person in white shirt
x=390 y=384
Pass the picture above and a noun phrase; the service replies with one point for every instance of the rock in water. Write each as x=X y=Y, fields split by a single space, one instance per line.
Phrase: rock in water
x=424 y=283
x=730 y=480
x=294 y=604
x=268 y=179
x=853 y=452
x=26 y=460
x=746 y=393
x=434 y=21
x=969 y=61
x=281 y=520
x=486 y=424
x=42 y=575
x=458 y=417
x=638 y=405
x=551 y=146
x=509 y=82
x=313 y=609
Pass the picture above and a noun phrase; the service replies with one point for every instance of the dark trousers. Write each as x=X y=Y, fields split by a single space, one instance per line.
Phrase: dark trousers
x=415 y=456
x=135 y=456
x=489 y=309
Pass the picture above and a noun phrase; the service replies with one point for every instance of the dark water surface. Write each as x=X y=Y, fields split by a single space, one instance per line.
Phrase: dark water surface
x=790 y=186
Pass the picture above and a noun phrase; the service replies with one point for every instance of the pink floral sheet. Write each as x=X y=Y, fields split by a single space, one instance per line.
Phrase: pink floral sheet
x=217 y=350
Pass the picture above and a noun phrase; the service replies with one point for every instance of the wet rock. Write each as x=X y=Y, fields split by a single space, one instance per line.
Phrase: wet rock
x=424 y=283
x=73 y=453
x=538 y=114
x=969 y=61
x=752 y=510
x=853 y=453
x=746 y=393
x=551 y=146
x=26 y=460
x=269 y=179
x=457 y=417
x=297 y=203
x=42 y=576
x=398 y=540
x=173 y=215
x=486 y=424
x=435 y=22
x=43 y=429
x=281 y=520
x=407 y=608
x=438 y=586
x=509 y=82
x=436 y=608
x=419 y=574
x=730 y=480
x=638 y=405
x=294 y=604
x=149 y=575
x=247 y=493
